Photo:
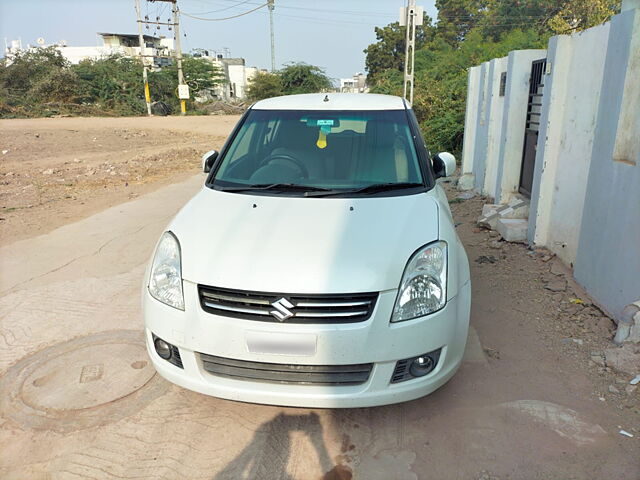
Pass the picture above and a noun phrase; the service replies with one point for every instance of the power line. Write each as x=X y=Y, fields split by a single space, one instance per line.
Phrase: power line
x=225 y=18
x=223 y=9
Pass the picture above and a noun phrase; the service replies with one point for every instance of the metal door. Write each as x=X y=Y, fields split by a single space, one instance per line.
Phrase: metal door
x=532 y=126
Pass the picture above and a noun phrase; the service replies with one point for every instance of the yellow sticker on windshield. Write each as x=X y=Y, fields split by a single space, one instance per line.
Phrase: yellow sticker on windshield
x=322 y=139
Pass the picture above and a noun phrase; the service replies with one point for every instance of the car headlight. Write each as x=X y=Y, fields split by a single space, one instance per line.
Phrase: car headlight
x=165 y=281
x=423 y=289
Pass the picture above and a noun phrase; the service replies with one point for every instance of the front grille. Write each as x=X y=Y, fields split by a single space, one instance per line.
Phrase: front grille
x=287 y=373
x=288 y=308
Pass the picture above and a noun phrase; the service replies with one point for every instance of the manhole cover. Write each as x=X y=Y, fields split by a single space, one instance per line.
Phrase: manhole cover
x=81 y=383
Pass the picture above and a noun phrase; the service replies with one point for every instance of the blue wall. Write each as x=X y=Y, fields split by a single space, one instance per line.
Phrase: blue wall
x=608 y=256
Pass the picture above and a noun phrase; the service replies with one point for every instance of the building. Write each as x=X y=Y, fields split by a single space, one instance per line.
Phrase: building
x=236 y=74
x=355 y=84
x=157 y=50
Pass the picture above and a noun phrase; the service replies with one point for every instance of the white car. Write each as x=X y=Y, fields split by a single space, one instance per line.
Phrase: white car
x=319 y=266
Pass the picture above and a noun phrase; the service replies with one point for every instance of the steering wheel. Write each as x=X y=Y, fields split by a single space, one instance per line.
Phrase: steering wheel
x=284 y=156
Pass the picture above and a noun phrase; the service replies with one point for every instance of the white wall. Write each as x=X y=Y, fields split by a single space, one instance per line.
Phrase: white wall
x=471 y=119
x=577 y=65
x=513 y=122
x=494 y=129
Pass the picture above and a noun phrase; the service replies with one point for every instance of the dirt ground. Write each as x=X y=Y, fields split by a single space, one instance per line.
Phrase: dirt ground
x=533 y=400
x=57 y=170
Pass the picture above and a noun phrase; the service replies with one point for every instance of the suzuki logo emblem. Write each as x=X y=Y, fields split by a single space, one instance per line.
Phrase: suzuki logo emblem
x=282 y=311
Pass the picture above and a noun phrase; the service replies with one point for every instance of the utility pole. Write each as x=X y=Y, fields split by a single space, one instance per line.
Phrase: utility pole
x=145 y=74
x=183 y=89
x=410 y=16
x=271 y=6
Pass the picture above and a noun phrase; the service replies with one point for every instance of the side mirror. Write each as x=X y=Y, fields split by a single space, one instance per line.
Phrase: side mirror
x=208 y=159
x=444 y=164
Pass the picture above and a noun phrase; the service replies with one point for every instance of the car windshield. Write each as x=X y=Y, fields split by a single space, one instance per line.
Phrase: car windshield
x=316 y=153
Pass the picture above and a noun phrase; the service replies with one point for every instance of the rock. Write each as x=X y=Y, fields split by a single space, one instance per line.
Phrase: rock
x=466 y=181
x=512 y=230
x=624 y=359
x=613 y=389
x=629 y=389
x=497 y=244
x=466 y=195
x=48 y=171
x=486 y=259
x=556 y=285
x=493 y=233
x=598 y=360
x=4 y=152
x=557 y=269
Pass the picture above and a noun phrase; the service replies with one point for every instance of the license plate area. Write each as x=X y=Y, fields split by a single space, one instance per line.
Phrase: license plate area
x=272 y=343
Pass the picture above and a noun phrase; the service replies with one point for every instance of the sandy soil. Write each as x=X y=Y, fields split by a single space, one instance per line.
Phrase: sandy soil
x=58 y=170
x=533 y=399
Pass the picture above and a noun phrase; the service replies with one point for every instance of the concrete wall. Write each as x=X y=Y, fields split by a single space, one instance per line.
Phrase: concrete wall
x=585 y=199
x=471 y=119
x=608 y=257
x=494 y=113
x=513 y=122
x=566 y=153
x=481 y=128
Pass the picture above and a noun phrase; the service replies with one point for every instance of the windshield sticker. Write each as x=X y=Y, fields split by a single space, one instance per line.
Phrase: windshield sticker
x=328 y=122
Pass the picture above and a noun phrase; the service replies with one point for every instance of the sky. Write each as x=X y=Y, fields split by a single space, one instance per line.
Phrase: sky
x=329 y=33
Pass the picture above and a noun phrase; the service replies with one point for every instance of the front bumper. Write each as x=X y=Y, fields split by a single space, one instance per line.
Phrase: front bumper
x=374 y=341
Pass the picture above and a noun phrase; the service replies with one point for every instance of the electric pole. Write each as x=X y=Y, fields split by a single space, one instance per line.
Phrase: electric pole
x=183 y=89
x=271 y=6
x=410 y=16
x=145 y=75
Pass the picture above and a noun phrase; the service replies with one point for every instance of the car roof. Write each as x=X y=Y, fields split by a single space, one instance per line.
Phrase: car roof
x=332 y=101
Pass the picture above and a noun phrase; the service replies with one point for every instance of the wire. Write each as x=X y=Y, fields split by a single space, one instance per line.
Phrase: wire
x=223 y=9
x=226 y=18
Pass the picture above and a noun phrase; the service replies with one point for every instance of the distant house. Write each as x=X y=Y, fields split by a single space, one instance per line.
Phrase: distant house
x=355 y=84
x=236 y=75
x=157 y=50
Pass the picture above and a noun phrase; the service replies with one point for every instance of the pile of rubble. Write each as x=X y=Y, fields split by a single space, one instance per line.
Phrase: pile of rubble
x=509 y=220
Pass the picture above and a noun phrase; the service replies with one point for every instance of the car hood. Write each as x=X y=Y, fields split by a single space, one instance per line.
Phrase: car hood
x=302 y=245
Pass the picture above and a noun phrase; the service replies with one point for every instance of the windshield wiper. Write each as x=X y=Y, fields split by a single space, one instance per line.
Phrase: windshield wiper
x=282 y=187
x=376 y=187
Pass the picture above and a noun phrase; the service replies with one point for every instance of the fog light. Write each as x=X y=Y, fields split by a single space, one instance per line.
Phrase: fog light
x=422 y=366
x=414 y=367
x=163 y=349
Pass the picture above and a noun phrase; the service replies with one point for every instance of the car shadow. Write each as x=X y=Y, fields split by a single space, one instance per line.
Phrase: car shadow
x=268 y=454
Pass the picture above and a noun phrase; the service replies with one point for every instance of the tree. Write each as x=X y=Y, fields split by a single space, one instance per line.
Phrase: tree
x=578 y=15
x=112 y=83
x=264 y=85
x=456 y=18
x=303 y=78
x=388 y=51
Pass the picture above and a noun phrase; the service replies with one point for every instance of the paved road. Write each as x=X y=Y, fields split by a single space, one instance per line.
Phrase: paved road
x=80 y=400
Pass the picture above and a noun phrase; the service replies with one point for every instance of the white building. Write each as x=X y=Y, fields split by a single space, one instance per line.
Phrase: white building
x=157 y=50
x=236 y=74
x=355 y=84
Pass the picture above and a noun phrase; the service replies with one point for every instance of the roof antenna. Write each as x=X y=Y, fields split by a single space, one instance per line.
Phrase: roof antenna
x=326 y=98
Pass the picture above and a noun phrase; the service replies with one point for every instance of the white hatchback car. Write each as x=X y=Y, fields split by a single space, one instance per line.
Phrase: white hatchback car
x=319 y=266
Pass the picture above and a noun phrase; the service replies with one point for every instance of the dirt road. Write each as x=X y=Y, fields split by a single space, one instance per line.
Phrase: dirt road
x=57 y=170
x=80 y=399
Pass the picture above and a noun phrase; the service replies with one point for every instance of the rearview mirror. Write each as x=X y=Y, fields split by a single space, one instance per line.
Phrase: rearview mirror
x=208 y=159
x=444 y=164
